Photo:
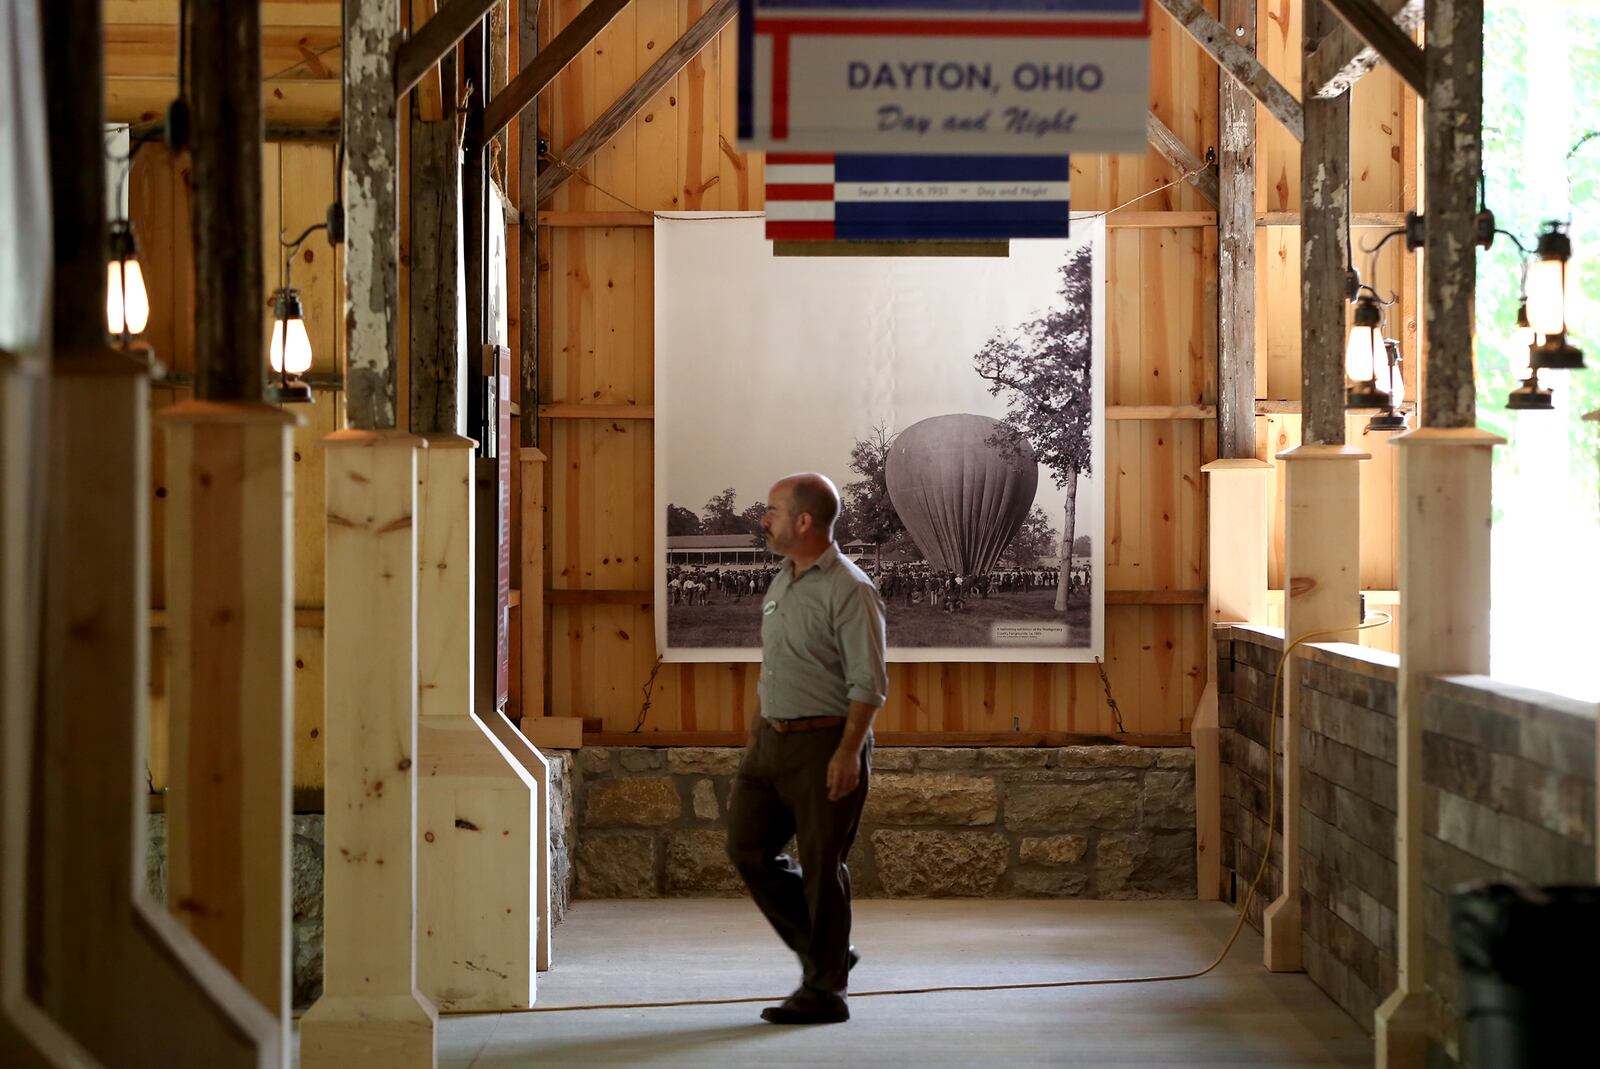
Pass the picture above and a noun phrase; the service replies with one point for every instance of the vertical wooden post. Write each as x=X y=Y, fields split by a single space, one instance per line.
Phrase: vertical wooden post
x=1239 y=537
x=532 y=473
x=1238 y=531
x=229 y=548
x=476 y=817
x=155 y=989
x=531 y=462
x=1445 y=468
x=370 y=1013
x=1322 y=545
x=1236 y=251
x=28 y=1039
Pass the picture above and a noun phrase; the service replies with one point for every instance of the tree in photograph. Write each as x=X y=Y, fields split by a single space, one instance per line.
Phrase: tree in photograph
x=682 y=521
x=1035 y=539
x=750 y=519
x=1081 y=546
x=1041 y=369
x=719 y=517
x=872 y=515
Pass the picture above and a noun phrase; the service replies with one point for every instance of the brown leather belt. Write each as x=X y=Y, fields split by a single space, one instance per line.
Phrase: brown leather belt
x=806 y=723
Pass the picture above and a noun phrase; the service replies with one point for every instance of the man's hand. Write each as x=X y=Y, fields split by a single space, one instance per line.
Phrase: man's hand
x=844 y=772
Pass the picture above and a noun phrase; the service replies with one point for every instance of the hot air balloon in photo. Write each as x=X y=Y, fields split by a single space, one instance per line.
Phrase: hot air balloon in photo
x=961 y=489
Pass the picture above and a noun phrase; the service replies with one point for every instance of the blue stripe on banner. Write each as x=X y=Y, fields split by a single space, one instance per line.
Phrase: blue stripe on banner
x=950 y=219
x=847 y=168
x=1054 y=7
x=746 y=75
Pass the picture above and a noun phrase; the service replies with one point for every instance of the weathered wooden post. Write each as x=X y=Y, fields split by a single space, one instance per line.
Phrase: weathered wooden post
x=28 y=1038
x=1322 y=544
x=1445 y=469
x=531 y=470
x=229 y=547
x=114 y=971
x=476 y=818
x=1238 y=533
x=371 y=1013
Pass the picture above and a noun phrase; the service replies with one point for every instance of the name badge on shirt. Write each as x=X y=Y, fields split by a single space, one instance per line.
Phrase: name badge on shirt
x=769 y=608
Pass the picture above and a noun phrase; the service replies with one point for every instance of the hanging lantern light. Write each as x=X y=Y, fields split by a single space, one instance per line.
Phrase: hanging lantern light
x=1530 y=396
x=1363 y=354
x=1548 y=283
x=127 y=303
x=1392 y=419
x=290 y=352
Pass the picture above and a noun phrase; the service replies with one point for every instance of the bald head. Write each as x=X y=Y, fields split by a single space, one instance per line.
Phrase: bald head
x=815 y=494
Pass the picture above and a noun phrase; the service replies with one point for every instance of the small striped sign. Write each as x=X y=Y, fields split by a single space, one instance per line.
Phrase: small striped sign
x=838 y=197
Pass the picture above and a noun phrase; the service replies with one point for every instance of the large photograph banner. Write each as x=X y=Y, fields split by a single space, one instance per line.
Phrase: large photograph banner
x=957 y=403
x=975 y=77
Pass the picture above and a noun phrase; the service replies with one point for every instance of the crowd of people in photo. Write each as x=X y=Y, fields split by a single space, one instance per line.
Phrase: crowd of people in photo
x=902 y=585
x=698 y=585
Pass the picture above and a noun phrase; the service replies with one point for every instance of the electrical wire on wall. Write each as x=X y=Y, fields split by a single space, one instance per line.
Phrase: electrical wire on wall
x=1377 y=619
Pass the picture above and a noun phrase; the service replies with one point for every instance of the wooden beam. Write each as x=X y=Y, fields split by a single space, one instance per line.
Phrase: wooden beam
x=372 y=215
x=625 y=107
x=430 y=87
x=1342 y=59
x=229 y=696
x=291 y=102
x=1324 y=251
x=475 y=803
x=1175 y=152
x=29 y=1039
x=93 y=940
x=1452 y=158
x=370 y=1015
x=1236 y=251
x=225 y=180
x=425 y=47
x=1240 y=62
x=1378 y=29
x=541 y=65
x=438 y=380
x=583 y=411
x=527 y=224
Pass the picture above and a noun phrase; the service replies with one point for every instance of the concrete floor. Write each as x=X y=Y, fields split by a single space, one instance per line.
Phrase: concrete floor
x=1239 y=1015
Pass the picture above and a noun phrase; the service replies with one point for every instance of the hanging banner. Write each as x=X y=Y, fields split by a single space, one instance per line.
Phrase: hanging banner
x=944 y=76
x=824 y=197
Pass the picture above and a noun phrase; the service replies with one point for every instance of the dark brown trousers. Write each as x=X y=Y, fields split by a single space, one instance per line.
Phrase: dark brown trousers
x=782 y=790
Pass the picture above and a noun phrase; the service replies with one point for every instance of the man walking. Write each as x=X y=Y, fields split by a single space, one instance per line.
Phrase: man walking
x=809 y=756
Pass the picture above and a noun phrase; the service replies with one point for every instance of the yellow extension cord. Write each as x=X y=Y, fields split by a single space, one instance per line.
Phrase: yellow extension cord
x=1244 y=908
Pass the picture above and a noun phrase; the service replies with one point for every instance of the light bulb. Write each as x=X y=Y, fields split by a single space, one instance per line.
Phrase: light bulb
x=1547 y=284
x=114 y=297
x=1362 y=353
x=298 y=348
x=297 y=353
x=1397 y=393
x=136 y=302
x=127 y=303
x=290 y=343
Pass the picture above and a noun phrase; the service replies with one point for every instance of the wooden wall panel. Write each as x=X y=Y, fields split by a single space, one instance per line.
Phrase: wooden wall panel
x=597 y=317
x=297 y=186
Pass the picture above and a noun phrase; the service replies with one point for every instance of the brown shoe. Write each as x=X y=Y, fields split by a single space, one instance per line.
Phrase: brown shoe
x=806 y=1006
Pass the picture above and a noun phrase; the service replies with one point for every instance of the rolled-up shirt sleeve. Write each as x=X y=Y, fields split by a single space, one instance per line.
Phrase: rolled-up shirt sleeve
x=862 y=642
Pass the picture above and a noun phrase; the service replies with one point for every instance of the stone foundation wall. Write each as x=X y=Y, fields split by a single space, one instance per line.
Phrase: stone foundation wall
x=1348 y=812
x=1245 y=664
x=1079 y=821
x=1508 y=793
x=1348 y=802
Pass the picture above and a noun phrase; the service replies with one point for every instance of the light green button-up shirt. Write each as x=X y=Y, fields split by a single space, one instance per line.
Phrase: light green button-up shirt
x=823 y=640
